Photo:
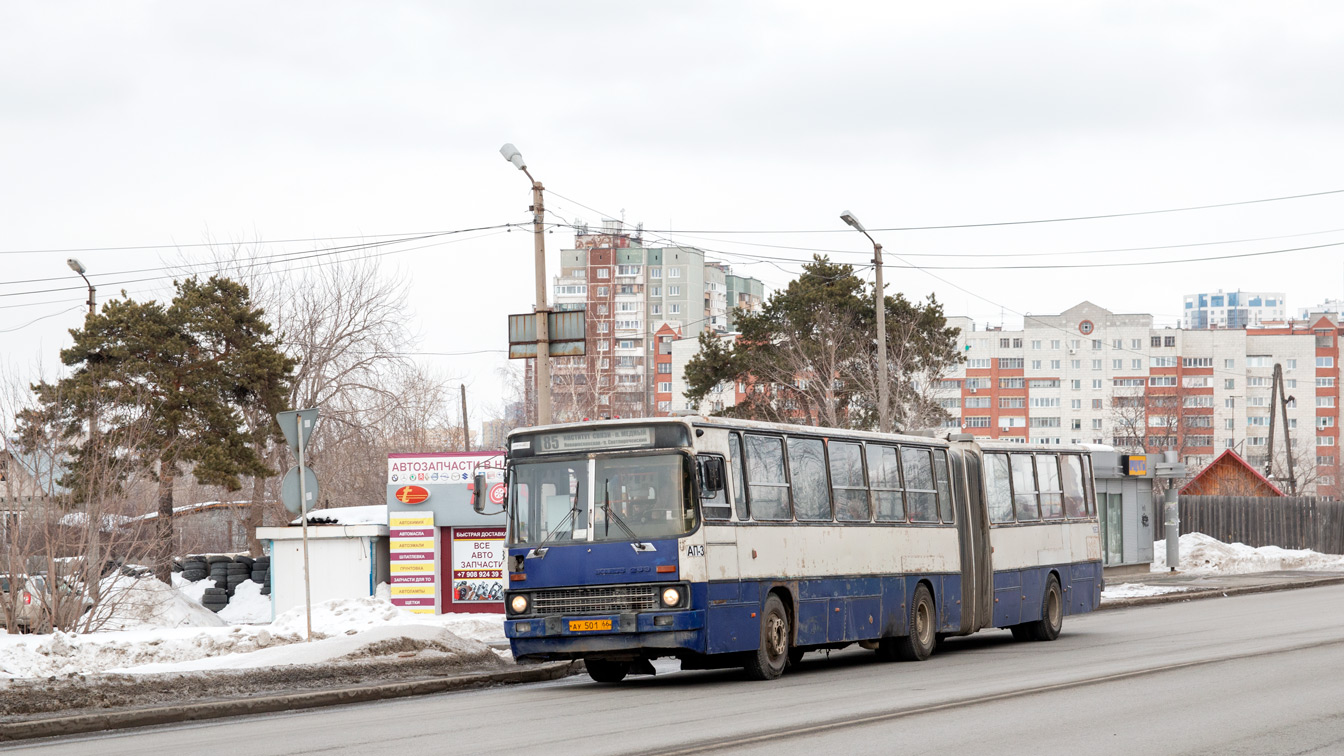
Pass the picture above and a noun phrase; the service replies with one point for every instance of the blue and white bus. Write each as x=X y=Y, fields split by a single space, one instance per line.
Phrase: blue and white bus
x=729 y=543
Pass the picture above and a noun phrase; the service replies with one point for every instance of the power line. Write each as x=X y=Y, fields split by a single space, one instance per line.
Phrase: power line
x=1007 y=223
x=289 y=257
x=211 y=244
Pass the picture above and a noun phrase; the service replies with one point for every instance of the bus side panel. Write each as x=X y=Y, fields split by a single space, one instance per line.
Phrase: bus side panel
x=733 y=622
x=949 y=604
x=1007 y=597
x=894 y=614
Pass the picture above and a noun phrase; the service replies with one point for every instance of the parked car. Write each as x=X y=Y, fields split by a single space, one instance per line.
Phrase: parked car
x=37 y=602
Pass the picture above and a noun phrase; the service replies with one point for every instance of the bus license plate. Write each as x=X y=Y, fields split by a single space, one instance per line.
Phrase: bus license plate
x=588 y=626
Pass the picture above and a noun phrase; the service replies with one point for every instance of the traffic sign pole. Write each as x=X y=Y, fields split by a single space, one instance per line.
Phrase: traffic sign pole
x=303 y=515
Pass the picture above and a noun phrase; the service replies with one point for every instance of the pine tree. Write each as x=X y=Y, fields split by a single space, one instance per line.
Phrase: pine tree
x=168 y=385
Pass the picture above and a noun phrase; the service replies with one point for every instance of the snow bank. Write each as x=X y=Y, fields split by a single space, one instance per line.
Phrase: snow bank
x=1202 y=554
x=135 y=603
x=1139 y=590
x=388 y=640
x=364 y=628
x=247 y=607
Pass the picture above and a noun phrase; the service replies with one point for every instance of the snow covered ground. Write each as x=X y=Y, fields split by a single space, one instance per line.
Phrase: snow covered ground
x=1201 y=555
x=159 y=629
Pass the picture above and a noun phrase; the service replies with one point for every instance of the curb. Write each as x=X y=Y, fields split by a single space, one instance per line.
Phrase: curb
x=115 y=720
x=1178 y=596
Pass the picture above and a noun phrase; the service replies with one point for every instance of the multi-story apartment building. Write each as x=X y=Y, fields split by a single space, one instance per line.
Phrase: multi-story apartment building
x=633 y=296
x=1233 y=309
x=1089 y=375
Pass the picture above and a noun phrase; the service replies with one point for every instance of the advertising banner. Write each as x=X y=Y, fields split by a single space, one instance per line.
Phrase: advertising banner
x=412 y=549
x=478 y=569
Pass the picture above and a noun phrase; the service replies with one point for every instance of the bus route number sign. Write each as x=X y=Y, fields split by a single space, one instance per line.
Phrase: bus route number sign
x=607 y=438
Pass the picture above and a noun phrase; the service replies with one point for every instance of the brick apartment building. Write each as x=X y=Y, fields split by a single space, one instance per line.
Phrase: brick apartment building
x=637 y=300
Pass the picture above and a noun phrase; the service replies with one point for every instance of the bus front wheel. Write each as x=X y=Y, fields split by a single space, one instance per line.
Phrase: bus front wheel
x=772 y=655
x=604 y=671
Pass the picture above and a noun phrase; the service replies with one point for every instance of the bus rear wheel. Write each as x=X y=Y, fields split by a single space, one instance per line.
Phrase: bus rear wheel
x=1052 y=616
x=918 y=644
x=770 y=658
x=604 y=671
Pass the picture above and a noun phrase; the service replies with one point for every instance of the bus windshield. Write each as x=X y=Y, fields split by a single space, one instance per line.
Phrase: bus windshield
x=608 y=498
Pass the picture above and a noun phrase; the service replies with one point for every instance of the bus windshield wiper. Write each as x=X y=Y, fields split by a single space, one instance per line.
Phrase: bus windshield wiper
x=611 y=513
x=569 y=516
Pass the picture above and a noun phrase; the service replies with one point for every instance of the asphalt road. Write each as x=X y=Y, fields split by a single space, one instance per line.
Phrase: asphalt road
x=1258 y=674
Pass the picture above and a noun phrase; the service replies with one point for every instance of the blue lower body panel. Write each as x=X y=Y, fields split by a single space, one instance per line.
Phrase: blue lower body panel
x=1020 y=594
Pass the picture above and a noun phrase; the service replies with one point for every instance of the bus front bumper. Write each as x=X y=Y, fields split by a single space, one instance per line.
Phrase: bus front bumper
x=562 y=637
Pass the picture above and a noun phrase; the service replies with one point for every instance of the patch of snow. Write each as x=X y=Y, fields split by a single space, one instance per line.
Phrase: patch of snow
x=247 y=606
x=143 y=602
x=388 y=640
x=1202 y=554
x=370 y=514
x=192 y=589
x=1139 y=590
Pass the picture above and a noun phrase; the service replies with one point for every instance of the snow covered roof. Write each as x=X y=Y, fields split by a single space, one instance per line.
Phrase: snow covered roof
x=81 y=520
x=200 y=506
x=372 y=514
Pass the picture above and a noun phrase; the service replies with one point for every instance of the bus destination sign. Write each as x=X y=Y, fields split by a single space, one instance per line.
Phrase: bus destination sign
x=587 y=440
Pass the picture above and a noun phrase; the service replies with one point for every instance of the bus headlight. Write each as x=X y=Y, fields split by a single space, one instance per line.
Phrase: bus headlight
x=671 y=596
x=518 y=604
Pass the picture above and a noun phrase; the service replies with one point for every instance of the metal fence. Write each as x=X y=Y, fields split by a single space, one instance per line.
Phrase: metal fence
x=1294 y=522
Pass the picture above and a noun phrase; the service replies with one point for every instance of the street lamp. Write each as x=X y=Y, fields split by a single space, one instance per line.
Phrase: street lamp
x=515 y=157
x=78 y=267
x=883 y=411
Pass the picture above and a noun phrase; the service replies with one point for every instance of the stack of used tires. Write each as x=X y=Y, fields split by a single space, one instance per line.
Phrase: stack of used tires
x=261 y=573
x=194 y=568
x=237 y=572
x=215 y=599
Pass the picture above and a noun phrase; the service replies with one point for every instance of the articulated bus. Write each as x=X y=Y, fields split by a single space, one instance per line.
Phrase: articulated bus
x=729 y=543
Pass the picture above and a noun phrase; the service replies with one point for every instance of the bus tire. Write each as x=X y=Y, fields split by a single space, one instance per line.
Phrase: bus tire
x=919 y=643
x=604 y=671
x=771 y=656
x=1052 y=615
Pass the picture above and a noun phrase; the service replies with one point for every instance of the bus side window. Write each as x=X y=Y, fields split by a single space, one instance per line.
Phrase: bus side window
x=1089 y=486
x=807 y=472
x=766 y=484
x=714 y=504
x=884 y=476
x=945 y=508
x=739 y=492
x=920 y=496
x=1024 y=488
x=1075 y=495
x=1052 y=496
x=847 y=486
x=998 y=489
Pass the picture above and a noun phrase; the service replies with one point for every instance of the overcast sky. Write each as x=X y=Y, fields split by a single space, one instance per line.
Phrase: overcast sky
x=180 y=123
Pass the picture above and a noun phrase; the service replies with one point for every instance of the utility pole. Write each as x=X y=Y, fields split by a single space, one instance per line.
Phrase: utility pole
x=1278 y=409
x=515 y=157
x=880 y=304
x=466 y=430
x=95 y=514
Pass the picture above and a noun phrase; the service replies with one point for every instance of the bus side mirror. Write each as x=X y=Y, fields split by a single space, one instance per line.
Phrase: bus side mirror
x=479 y=490
x=711 y=474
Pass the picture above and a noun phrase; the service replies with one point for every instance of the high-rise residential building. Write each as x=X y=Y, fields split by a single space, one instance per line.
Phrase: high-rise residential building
x=1232 y=309
x=1089 y=375
x=1334 y=306
x=633 y=296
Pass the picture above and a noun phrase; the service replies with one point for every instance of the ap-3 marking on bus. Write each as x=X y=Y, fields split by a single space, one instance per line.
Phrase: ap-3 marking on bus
x=695 y=551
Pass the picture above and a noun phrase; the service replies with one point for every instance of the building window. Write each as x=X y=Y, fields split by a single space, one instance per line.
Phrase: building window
x=1012 y=383
x=603 y=273
x=655 y=272
x=1055 y=364
x=674 y=291
x=1229 y=364
x=1290 y=364
x=656 y=309
x=1162 y=362
x=1096 y=364
x=1003 y=343
x=1168 y=341
x=1229 y=383
x=1325 y=382
x=1096 y=383
x=1325 y=440
x=981 y=363
x=1117 y=364
x=1096 y=404
x=1096 y=344
x=1325 y=362
x=1017 y=343
x=657 y=291
x=1259 y=361
x=1012 y=402
x=1136 y=343
x=665 y=387
x=1325 y=401
x=603 y=327
x=1157 y=341
x=1013 y=363
x=674 y=272
x=603 y=291
x=977 y=402
x=1054 y=343
x=627 y=270
x=1076 y=364
x=1075 y=385
x=1197 y=362
x=664 y=368
x=1035 y=364
x=675 y=309
x=1096 y=423
x=1035 y=343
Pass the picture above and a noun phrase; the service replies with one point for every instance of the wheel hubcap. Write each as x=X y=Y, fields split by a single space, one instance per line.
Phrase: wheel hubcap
x=922 y=624
x=776 y=643
x=1054 y=609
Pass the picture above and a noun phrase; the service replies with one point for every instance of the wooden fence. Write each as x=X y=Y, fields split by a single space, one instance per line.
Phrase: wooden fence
x=1298 y=522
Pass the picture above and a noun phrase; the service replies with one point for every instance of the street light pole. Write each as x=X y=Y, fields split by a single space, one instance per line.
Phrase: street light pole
x=95 y=514
x=78 y=267
x=515 y=157
x=880 y=304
